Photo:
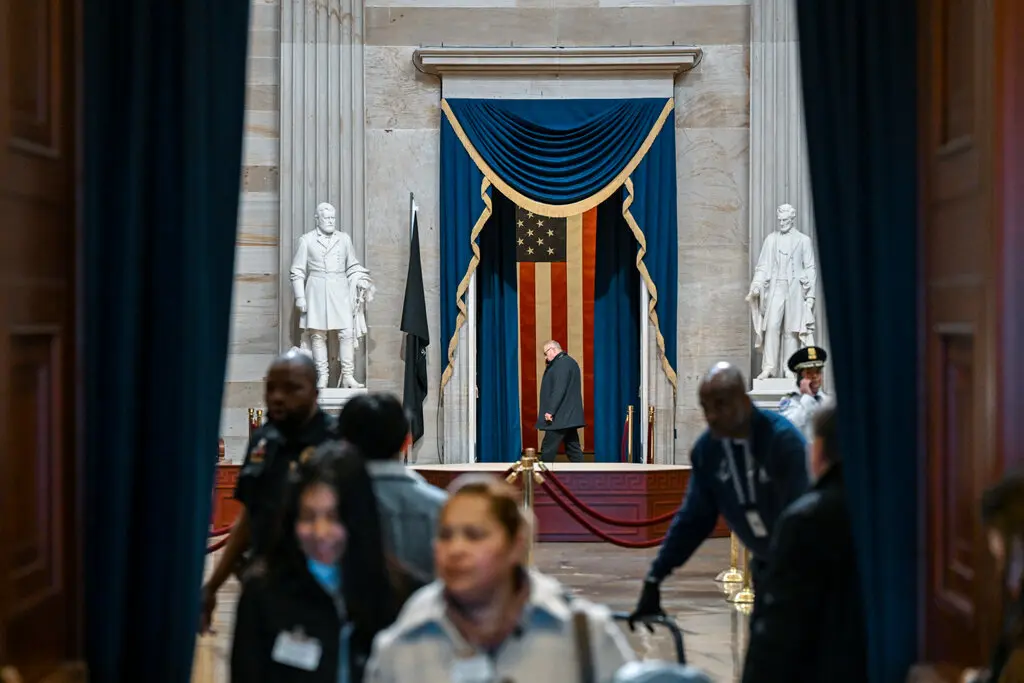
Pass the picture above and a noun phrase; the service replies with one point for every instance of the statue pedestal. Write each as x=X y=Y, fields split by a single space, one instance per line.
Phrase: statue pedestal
x=333 y=400
x=767 y=393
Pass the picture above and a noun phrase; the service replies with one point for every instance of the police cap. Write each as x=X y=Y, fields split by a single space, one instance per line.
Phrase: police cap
x=807 y=357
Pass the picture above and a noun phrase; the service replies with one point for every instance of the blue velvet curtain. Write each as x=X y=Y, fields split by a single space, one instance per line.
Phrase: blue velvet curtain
x=499 y=433
x=617 y=332
x=163 y=115
x=559 y=152
x=858 y=66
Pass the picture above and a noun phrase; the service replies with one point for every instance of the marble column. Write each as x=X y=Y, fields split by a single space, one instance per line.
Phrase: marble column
x=322 y=131
x=779 y=172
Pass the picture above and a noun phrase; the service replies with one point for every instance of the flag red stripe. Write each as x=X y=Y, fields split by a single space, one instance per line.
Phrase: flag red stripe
x=589 y=271
x=559 y=304
x=527 y=355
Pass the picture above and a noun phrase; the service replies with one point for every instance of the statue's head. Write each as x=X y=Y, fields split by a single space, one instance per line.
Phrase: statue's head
x=786 y=216
x=325 y=218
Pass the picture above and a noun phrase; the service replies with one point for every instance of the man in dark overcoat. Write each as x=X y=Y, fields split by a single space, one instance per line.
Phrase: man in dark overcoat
x=560 y=409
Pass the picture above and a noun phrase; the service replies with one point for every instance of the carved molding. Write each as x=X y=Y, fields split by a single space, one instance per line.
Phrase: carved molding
x=668 y=60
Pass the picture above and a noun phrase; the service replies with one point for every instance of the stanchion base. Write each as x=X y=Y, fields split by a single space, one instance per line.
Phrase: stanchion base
x=742 y=597
x=730 y=575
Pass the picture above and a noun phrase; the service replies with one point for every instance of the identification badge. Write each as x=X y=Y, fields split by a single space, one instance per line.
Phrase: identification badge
x=477 y=669
x=296 y=650
x=756 y=525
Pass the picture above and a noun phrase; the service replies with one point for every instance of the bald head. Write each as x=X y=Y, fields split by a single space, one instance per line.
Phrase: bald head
x=724 y=399
x=291 y=391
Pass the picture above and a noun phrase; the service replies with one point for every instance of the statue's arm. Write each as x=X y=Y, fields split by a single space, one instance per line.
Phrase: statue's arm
x=760 y=278
x=809 y=280
x=300 y=265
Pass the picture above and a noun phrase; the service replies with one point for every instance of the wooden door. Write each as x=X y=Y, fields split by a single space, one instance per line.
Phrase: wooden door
x=40 y=594
x=973 y=247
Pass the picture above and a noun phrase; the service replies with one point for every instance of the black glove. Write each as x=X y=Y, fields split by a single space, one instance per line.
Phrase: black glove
x=649 y=605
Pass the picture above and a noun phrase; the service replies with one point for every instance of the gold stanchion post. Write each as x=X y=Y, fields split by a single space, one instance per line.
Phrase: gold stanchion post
x=650 y=434
x=733 y=573
x=745 y=596
x=629 y=432
x=529 y=468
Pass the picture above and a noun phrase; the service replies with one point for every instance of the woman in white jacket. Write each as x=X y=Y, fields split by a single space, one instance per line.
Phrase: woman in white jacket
x=487 y=618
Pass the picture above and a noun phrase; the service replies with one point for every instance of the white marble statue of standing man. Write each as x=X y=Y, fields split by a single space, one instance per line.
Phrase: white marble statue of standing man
x=782 y=294
x=331 y=291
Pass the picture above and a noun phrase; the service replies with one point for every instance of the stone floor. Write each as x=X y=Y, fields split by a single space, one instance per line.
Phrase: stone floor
x=714 y=631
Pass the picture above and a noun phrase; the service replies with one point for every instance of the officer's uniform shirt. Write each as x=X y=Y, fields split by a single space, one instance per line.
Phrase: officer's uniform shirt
x=800 y=409
x=262 y=482
x=748 y=482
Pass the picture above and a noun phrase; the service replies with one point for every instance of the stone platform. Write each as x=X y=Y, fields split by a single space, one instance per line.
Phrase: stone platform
x=619 y=491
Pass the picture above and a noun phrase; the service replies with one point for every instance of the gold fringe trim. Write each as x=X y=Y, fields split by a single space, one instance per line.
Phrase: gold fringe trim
x=558 y=210
x=652 y=290
x=460 y=292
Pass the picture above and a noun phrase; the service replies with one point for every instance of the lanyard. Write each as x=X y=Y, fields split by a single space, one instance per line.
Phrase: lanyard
x=734 y=472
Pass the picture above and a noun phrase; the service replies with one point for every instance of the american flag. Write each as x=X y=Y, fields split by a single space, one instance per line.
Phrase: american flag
x=539 y=239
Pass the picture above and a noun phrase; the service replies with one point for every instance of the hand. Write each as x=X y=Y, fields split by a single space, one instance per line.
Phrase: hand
x=207 y=602
x=300 y=304
x=548 y=417
x=805 y=387
x=649 y=605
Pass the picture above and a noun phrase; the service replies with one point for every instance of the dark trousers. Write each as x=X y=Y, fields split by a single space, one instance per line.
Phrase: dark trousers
x=553 y=437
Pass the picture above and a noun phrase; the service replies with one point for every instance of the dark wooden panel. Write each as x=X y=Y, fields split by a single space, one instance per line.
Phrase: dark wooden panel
x=957 y=76
x=40 y=589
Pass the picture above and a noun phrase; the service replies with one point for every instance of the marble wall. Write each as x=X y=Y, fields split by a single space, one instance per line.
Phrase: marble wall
x=254 y=310
x=402 y=115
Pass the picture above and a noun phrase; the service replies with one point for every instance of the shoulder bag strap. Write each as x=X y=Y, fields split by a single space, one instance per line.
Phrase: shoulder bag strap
x=584 y=651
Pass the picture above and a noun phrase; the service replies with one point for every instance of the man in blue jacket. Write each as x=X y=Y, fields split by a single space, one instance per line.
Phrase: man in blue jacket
x=747 y=467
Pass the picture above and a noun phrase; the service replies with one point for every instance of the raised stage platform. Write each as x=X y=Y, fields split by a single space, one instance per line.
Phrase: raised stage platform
x=616 y=490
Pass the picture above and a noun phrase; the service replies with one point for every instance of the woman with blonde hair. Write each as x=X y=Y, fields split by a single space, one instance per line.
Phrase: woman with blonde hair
x=489 y=618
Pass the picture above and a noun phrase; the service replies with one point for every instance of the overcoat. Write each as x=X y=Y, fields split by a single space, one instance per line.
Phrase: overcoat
x=325 y=272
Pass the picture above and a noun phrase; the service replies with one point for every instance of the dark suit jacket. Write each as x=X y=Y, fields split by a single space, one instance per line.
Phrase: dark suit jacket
x=809 y=624
x=561 y=394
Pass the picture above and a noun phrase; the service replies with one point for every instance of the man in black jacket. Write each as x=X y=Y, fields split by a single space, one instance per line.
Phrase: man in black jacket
x=560 y=410
x=808 y=625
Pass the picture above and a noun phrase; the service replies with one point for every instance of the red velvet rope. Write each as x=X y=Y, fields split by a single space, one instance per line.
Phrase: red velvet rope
x=217 y=546
x=631 y=524
x=593 y=529
x=214 y=533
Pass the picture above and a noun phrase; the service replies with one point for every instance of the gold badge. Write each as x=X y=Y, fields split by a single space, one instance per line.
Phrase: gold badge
x=259 y=452
x=812 y=354
x=306 y=455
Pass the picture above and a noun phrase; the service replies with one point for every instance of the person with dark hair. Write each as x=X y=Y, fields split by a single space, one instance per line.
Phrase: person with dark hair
x=378 y=425
x=808 y=625
x=325 y=588
x=489 y=618
x=799 y=407
x=295 y=426
x=1002 y=516
x=747 y=467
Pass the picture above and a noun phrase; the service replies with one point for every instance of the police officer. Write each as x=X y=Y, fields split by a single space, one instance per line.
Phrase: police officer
x=295 y=427
x=799 y=406
x=747 y=467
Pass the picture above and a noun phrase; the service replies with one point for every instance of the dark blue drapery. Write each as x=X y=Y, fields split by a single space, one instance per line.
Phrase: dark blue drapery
x=566 y=156
x=617 y=336
x=499 y=433
x=860 y=107
x=163 y=112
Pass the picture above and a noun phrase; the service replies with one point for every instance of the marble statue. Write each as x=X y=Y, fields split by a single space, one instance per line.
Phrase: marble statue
x=331 y=291
x=782 y=294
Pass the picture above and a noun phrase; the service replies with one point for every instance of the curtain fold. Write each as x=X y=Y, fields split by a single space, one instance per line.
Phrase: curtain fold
x=164 y=88
x=860 y=109
x=499 y=432
x=617 y=346
x=557 y=153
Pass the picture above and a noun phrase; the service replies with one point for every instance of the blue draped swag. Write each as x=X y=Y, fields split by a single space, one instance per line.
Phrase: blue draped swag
x=860 y=108
x=164 y=89
x=557 y=158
